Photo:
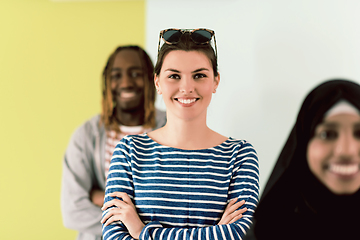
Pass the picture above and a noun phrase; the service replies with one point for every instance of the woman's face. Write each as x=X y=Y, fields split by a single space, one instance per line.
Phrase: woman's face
x=187 y=82
x=127 y=80
x=333 y=154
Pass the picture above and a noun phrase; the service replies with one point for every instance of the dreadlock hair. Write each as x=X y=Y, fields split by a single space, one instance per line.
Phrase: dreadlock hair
x=108 y=117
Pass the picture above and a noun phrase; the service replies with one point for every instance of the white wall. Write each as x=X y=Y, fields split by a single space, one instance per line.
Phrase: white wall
x=271 y=54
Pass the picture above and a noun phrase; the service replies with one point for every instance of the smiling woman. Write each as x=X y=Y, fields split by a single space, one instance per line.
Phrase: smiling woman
x=314 y=189
x=184 y=180
x=333 y=154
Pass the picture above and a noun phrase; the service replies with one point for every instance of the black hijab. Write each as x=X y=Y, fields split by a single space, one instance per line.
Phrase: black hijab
x=294 y=203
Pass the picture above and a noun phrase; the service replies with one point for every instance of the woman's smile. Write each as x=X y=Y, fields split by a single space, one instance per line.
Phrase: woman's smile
x=344 y=170
x=187 y=102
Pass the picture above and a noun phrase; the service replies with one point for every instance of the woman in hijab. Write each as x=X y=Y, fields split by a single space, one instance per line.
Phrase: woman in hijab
x=313 y=191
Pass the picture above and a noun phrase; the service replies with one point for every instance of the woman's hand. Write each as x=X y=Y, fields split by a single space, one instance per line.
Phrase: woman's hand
x=123 y=211
x=231 y=214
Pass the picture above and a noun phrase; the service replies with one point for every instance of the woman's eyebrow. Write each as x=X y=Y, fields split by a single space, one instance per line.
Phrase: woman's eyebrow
x=172 y=70
x=195 y=71
x=329 y=124
x=200 y=69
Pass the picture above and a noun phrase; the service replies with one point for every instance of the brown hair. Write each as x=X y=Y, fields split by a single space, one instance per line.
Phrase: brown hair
x=186 y=44
x=108 y=112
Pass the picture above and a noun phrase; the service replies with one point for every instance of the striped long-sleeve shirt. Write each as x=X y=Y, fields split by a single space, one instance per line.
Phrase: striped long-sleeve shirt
x=182 y=194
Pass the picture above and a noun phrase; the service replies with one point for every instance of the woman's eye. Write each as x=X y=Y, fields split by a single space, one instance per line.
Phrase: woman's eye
x=328 y=134
x=174 y=76
x=199 y=75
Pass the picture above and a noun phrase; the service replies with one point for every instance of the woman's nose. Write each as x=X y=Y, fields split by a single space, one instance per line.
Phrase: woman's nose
x=186 y=85
x=346 y=145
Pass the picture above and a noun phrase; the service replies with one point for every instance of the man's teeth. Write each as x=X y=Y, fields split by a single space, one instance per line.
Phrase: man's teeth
x=344 y=169
x=127 y=94
x=186 y=101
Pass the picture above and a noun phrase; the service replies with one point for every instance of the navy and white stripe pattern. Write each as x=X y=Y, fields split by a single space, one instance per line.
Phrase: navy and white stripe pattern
x=181 y=194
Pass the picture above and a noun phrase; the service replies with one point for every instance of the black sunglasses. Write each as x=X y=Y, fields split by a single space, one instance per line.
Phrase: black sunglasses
x=198 y=36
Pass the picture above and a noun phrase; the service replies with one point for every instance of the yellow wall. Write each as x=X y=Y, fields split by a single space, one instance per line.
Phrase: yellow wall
x=51 y=58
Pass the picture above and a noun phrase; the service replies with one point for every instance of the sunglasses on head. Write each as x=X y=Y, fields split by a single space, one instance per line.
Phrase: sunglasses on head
x=198 y=36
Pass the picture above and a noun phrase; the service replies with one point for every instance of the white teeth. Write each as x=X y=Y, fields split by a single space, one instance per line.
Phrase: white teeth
x=127 y=94
x=186 y=101
x=344 y=169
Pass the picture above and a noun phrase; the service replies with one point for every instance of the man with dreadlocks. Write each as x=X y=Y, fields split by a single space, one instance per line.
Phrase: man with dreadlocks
x=128 y=97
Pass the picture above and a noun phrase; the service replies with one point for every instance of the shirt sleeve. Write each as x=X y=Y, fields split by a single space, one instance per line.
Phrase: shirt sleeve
x=119 y=180
x=244 y=185
x=78 y=212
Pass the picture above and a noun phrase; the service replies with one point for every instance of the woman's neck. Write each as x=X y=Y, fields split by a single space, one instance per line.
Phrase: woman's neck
x=187 y=134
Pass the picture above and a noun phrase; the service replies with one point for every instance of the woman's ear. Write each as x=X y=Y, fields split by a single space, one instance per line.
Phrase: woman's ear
x=216 y=82
x=157 y=84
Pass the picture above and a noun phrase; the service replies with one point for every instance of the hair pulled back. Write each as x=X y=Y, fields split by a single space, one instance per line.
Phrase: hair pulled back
x=186 y=44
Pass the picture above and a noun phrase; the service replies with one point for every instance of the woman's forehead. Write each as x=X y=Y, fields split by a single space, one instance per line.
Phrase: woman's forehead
x=341 y=119
x=180 y=59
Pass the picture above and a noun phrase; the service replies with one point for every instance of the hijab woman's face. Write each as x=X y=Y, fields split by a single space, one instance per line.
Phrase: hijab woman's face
x=333 y=154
